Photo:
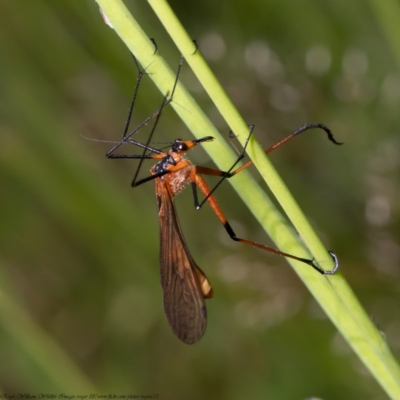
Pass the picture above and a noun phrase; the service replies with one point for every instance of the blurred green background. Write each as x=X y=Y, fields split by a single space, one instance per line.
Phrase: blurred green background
x=80 y=300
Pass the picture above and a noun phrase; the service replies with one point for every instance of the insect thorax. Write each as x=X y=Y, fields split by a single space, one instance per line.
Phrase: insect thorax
x=179 y=179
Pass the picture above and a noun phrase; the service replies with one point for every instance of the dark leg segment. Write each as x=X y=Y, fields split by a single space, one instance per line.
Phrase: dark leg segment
x=228 y=174
x=197 y=180
x=126 y=138
x=286 y=139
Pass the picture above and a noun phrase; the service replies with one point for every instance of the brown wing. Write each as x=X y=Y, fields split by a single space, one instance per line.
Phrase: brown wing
x=183 y=298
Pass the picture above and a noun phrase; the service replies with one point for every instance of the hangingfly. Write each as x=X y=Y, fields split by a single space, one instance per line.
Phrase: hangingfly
x=185 y=286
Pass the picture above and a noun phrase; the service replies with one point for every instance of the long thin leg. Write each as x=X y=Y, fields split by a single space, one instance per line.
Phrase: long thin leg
x=135 y=93
x=224 y=174
x=166 y=101
x=158 y=154
x=147 y=144
x=155 y=45
x=228 y=174
x=126 y=137
x=287 y=138
x=198 y=181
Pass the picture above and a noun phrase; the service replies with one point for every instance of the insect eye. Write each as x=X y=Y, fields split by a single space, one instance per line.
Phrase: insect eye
x=179 y=145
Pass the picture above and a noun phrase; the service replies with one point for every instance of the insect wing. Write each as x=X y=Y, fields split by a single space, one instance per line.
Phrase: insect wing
x=183 y=297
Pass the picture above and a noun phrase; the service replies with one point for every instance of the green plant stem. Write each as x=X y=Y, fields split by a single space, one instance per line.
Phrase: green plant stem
x=333 y=293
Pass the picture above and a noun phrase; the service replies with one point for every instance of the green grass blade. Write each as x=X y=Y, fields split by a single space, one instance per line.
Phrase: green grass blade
x=332 y=293
x=41 y=350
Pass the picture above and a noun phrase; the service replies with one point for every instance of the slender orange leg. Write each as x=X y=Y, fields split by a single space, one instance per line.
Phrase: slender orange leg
x=232 y=172
x=198 y=181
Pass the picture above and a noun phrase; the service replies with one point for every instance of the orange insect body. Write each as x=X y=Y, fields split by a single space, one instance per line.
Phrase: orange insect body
x=185 y=286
